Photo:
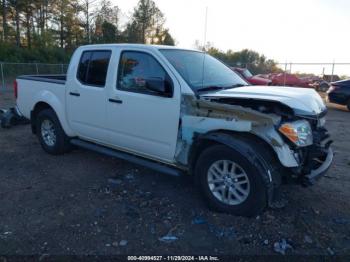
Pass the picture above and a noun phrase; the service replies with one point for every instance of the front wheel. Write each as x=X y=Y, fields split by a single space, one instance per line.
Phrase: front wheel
x=231 y=182
x=50 y=133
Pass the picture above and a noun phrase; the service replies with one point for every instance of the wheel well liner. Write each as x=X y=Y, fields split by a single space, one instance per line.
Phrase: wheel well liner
x=40 y=106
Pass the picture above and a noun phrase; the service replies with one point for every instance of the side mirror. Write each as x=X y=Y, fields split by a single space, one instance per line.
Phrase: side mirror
x=159 y=86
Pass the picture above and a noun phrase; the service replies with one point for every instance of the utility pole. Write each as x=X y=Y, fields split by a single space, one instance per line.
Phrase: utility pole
x=88 y=4
x=88 y=21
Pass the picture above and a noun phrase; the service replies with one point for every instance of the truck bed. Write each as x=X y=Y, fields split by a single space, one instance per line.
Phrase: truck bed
x=49 y=88
x=57 y=79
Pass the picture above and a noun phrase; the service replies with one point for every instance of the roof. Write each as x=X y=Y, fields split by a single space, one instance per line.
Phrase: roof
x=141 y=46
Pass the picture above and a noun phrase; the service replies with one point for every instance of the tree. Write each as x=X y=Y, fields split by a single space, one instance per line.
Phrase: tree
x=107 y=23
x=255 y=62
x=88 y=21
x=4 y=19
x=65 y=13
x=109 y=32
x=167 y=38
x=147 y=24
x=132 y=33
x=28 y=9
x=16 y=7
x=42 y=29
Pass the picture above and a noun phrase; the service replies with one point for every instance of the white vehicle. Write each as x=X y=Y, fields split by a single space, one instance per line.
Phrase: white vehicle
x=182 y=111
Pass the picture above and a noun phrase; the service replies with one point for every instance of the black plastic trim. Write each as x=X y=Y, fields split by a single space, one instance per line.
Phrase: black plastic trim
x=56 y=79
x=115 y=101
x=127 y=156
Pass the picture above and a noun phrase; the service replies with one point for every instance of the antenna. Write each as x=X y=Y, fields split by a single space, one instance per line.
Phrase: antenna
x=205 y=28
x=205 y=39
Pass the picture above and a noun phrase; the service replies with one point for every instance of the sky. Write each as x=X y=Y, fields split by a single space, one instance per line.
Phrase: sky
x=284 y=30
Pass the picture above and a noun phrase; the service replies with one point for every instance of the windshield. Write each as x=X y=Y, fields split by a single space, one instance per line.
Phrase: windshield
x=247 y=73
x=201 y=71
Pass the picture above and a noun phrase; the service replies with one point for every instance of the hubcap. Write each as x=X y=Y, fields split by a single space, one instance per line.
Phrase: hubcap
x=48 y=132
x=228 y=182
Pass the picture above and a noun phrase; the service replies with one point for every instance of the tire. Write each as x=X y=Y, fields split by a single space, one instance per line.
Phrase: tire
x=348 y=105
x=50 y=133
x=256 y=197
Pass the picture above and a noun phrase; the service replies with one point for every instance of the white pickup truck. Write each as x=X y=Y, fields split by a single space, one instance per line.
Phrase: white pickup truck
x=182 y=111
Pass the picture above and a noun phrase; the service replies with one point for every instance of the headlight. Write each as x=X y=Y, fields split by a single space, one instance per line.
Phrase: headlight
x=299 y=132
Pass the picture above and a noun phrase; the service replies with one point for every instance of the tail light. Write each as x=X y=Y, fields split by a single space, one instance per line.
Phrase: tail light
x=15 y=89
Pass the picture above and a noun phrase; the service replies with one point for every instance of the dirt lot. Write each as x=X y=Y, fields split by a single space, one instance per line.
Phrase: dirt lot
x=85 y=203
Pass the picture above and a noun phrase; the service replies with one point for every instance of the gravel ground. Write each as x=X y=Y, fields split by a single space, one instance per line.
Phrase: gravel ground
x=85 y=203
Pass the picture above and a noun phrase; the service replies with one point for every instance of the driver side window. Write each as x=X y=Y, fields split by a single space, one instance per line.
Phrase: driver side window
x=136 y=69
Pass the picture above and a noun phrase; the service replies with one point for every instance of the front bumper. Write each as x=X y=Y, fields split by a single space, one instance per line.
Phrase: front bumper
x=310 y=178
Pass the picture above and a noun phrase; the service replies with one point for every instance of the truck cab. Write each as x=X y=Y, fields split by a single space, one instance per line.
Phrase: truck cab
x=182 y=112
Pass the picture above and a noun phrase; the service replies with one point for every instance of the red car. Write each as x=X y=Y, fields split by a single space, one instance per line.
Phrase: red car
x=282 y=79
x=285 y=79
x=248 y=76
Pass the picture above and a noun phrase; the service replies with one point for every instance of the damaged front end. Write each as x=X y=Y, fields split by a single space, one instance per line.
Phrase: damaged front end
x=262 y=119
x=316 y=159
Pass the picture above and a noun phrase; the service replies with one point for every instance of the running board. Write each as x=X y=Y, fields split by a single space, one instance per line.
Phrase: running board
x=128 y=157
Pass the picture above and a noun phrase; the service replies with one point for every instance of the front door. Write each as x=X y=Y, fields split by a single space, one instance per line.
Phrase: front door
x=141 y=119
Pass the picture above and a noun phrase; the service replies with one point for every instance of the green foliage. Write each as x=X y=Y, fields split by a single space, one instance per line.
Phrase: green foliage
x=147 y=25
x=109 y=32
x=49 y=31
x=12 y=53
x=255 y=62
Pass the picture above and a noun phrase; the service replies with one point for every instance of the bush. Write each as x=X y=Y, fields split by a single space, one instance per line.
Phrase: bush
x=51 y=55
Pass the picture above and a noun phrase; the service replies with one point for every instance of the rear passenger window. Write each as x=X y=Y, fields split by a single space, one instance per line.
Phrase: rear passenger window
x=93 y=68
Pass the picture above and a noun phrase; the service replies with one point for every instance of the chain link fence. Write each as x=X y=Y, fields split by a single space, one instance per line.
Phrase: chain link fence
x=9 y=71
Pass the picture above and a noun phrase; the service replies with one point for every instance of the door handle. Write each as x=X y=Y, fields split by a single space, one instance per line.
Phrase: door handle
x=115 y=101
x=74 y=94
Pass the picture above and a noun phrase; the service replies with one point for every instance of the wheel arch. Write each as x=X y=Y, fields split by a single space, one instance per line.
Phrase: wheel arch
x=60 y=113
x=39 y=106
x=229 y=138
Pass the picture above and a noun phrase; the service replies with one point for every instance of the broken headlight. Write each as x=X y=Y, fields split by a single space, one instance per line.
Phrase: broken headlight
x=299 y=132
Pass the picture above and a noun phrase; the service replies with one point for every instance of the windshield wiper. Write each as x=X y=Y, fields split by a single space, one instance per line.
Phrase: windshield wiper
x=236 y=85
x=212 y=88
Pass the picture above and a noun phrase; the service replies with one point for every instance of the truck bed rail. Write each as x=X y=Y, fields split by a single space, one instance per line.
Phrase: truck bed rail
x=57 y=79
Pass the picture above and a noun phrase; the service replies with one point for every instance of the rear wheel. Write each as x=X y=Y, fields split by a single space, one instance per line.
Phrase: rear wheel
x=50 y=133
x=231 y=182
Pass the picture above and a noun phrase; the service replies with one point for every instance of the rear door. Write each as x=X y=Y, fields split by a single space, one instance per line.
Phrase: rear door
x=140 y=120
x=86 y=95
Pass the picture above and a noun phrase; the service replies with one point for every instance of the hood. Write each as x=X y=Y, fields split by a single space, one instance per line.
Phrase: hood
x=304 y=101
